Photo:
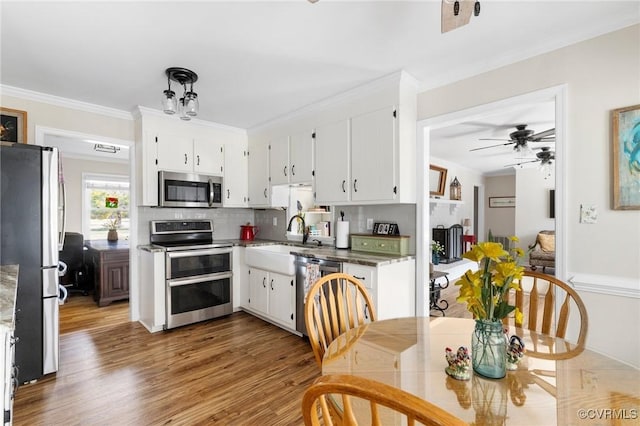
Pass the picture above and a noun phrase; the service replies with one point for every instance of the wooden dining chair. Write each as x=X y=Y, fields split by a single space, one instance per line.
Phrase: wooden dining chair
x=541 y=320
x=334 y=304
x=372 y=402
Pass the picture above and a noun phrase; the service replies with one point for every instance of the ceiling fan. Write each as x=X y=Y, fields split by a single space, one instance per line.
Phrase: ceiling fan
x=521 y=136
x=545 y=157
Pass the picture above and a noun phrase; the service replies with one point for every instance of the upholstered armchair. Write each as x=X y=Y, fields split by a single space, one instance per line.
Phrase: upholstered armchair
x=543 y=251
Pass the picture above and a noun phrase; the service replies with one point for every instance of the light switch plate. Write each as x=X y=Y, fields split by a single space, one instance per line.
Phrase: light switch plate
x=275 y=221
x=588 y=214
x=369 y=223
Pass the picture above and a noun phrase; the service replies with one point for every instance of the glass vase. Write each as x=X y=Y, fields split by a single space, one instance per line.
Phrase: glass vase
x=435 y=258
x=489 y=349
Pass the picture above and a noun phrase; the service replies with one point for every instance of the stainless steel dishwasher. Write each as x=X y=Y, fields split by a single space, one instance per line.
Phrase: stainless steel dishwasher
x=303 y=264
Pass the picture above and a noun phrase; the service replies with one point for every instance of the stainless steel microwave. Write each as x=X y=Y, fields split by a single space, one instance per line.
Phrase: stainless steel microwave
x=189 y=190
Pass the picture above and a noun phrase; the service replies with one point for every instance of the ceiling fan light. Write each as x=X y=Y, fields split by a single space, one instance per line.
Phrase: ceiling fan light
x=169 y=102
x=523 y=151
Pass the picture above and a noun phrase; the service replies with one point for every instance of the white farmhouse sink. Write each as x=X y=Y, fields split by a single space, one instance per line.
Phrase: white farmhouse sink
x=273 y=258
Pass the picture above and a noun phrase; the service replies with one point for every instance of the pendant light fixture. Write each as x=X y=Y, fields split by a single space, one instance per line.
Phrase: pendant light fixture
x=188 y=104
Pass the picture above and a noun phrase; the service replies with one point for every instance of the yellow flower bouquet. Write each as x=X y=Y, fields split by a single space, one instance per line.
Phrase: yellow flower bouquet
x=484 y=290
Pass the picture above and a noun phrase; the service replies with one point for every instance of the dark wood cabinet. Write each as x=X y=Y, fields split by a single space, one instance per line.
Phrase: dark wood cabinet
x=110 y=264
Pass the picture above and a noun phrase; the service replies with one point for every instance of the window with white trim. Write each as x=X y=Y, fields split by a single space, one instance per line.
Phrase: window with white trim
x=105 y=206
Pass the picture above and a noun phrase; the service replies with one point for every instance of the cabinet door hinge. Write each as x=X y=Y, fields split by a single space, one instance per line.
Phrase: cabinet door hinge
x=394 y=113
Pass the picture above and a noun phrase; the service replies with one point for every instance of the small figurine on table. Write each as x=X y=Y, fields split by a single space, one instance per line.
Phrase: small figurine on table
x=515 y=351
x=459 y=363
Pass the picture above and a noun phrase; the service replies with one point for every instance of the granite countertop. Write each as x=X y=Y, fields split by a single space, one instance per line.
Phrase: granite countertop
x=332 y=253
x=318 y=252
x=8 y=287
x=107 y=245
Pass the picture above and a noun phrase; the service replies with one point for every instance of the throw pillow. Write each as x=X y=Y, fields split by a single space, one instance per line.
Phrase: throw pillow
x=547 y=242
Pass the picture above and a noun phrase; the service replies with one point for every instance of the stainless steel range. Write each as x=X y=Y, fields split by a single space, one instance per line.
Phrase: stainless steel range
x=199 y=276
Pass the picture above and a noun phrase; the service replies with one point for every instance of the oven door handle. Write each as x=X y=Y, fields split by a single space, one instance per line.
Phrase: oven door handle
x=199 y=279
x=203 y=252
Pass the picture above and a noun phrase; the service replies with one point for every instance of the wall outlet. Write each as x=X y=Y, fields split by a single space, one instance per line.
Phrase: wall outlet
x=275 y=221
x=369 y=223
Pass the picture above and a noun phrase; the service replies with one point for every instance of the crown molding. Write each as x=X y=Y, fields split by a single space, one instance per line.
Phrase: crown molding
x=141 y=111
x=388 y=80
x=64 y=102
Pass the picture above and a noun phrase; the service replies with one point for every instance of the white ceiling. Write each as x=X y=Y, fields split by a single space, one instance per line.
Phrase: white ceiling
x=454 y=143
x=261 y=60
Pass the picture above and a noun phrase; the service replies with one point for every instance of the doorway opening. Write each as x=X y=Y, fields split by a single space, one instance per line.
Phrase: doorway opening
x=555 y=95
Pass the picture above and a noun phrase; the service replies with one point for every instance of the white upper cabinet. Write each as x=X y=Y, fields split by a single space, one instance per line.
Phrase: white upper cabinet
x=181 y=149
x=373 y=156
x=208 y=156
x=364 y=150
x=301 y=157
x=165 y=143
x=235 y=183
x=332 y=181
x=259 y=188
x=279 y=161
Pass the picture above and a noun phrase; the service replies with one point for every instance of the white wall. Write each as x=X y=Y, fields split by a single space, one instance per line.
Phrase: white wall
x=532 y=205
x=501 y=221
x=601 y=74
x=73 y=168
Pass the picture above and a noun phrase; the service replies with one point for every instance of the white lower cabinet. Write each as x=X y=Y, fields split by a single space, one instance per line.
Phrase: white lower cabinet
x=8 y=378
x=152 y=289
x=391 y=287
x=272 y=296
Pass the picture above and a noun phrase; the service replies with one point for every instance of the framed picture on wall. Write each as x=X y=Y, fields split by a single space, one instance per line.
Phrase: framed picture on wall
x=437 y=180
x=13 y=125
x=625 y=129
x=499 y=202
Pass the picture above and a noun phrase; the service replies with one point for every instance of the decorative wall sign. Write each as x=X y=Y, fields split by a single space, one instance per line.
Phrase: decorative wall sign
x=502 y=201
x=13 y=125
x=625 y=128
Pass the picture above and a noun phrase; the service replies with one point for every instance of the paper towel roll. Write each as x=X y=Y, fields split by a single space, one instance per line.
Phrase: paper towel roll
x=342 y=234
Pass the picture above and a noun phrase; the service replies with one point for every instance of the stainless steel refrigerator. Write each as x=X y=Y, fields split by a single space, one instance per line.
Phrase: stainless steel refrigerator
x=29 y=238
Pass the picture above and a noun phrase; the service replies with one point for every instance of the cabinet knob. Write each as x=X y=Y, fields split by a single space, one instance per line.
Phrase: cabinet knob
x=359 y=278
x=228 y=194
x=265 y=193
x=284 y=170
x=355 y=185
x=343 y=184
x=271 y=284
x=185 y=159
x=264 y=282
x=293 y=170
x=198 y=159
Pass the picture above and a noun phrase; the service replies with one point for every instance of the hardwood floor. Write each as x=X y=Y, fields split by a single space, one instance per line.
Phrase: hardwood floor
x=236 y=370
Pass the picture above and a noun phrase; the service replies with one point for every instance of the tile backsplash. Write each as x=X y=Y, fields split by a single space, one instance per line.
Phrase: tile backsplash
x=226 y=222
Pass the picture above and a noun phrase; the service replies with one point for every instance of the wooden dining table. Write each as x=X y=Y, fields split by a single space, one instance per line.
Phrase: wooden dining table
x=556 y=382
